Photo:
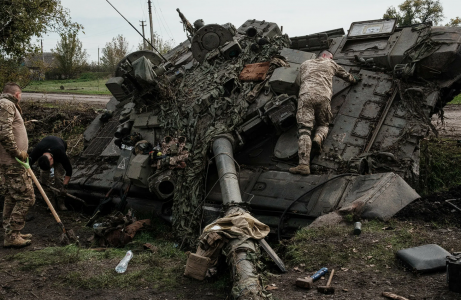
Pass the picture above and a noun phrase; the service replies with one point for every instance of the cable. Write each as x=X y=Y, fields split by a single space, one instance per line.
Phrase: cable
x=163 y=22
x=160 y=54
x=311 y=190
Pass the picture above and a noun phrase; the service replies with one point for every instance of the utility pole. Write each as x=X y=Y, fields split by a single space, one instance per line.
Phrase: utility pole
x=98 y=69
x=149 y=3
x=43 y=55
x=143 y=35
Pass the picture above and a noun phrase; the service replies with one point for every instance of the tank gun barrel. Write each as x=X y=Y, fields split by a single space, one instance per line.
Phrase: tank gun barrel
x=187 y=25
x=243 y=269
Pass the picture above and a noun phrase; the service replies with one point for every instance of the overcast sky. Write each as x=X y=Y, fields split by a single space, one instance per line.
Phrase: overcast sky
x=297 y=17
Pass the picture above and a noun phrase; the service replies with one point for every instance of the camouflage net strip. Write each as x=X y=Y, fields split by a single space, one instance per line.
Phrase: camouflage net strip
x=200 y=110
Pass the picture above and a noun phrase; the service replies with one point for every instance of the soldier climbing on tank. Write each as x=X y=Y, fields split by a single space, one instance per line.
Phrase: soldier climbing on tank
x=316 y=76
x=51 y=152
x=19 y=192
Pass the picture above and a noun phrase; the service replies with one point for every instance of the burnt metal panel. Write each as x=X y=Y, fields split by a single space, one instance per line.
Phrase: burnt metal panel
x=362 y=129
x=296 y=56
x=371 y=110
x=102 y=139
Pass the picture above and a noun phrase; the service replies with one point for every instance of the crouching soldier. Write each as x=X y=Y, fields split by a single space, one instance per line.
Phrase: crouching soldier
x=51 y=152
x=19 y=196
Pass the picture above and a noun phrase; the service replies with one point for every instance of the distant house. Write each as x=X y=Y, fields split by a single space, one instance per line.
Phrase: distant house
x=40 y=63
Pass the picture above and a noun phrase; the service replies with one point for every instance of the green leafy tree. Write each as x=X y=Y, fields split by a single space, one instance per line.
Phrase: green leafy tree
x=114 y=51
x=416 y=11
x=456 y=22
x=70 y=56
x=20 y=20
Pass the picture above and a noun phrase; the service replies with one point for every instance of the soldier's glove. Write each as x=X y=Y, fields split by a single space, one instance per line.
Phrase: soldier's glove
x=357 y=78
x=22 y=155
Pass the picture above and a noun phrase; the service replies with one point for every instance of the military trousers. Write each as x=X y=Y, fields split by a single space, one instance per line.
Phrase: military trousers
x=19 y=197
x=313 y=110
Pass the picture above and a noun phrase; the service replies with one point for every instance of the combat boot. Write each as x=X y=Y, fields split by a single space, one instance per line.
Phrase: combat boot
x=14 y=239
x=61 y=204
x=25 y=236
x=316 y=144
x=301 y=169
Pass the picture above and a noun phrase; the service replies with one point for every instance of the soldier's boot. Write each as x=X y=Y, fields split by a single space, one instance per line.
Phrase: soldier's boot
x=301 y=169
x=61 y=204
x=14 y=239
x=317 y=144
x=26 y=235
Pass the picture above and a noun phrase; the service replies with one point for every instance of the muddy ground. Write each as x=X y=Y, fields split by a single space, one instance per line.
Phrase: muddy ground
x=365 y=265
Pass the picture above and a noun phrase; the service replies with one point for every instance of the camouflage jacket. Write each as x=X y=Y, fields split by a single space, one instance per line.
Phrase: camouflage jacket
x=317 y=76
x=13 y=134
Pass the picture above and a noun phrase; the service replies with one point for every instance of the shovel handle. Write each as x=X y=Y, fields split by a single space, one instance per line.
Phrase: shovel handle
x=331 y=277
x=42 y=192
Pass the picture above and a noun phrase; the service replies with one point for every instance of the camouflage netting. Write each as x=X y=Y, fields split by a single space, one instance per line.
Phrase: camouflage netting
x=208 y=100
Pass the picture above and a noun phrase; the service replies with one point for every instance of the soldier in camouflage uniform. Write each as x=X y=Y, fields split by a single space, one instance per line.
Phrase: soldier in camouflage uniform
x=19 y=195
x=314 y=105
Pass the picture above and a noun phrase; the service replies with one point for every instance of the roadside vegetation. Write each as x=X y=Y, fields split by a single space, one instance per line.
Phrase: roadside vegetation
x=456 y=100
x=88 y=83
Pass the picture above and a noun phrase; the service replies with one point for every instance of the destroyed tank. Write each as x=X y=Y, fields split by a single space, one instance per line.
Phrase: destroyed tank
x=155 y=146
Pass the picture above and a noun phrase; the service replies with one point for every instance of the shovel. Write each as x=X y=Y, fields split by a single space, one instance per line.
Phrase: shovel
x=67 y=236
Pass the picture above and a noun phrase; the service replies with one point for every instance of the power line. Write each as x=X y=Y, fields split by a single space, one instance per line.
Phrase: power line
x=166 y=23
x=161 y=21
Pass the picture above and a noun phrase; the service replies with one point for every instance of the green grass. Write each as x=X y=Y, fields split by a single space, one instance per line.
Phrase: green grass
x=72 y=86
x=456 y=100
x=93 y=270
x=336 y=246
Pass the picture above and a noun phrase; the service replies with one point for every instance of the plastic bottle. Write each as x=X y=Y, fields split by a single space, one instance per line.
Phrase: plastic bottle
x=123 y=264
x=52 y=172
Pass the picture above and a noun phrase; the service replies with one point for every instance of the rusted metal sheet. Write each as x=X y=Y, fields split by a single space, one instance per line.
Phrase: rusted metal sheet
x=254 y=72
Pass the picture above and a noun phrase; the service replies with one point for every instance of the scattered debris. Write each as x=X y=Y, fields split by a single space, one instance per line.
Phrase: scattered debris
x=393 y=296
x=424 y=258
x=123 y=264
x=150 y=247
x=328 y=290
x=117 y=230
x=273 y=255
x=308 y=282
x=271 y=287
x=357 y=228
x=449 y=202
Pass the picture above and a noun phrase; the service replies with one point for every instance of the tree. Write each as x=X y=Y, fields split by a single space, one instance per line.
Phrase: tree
x=114 y=52
x=12 y=69
x=161 y=45
x=456 y=22
x=70 y=56
x=20 y=20
x=416 y=11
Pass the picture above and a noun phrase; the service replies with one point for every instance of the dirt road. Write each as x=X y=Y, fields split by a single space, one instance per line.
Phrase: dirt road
x=95 y=99
x=452 y=122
